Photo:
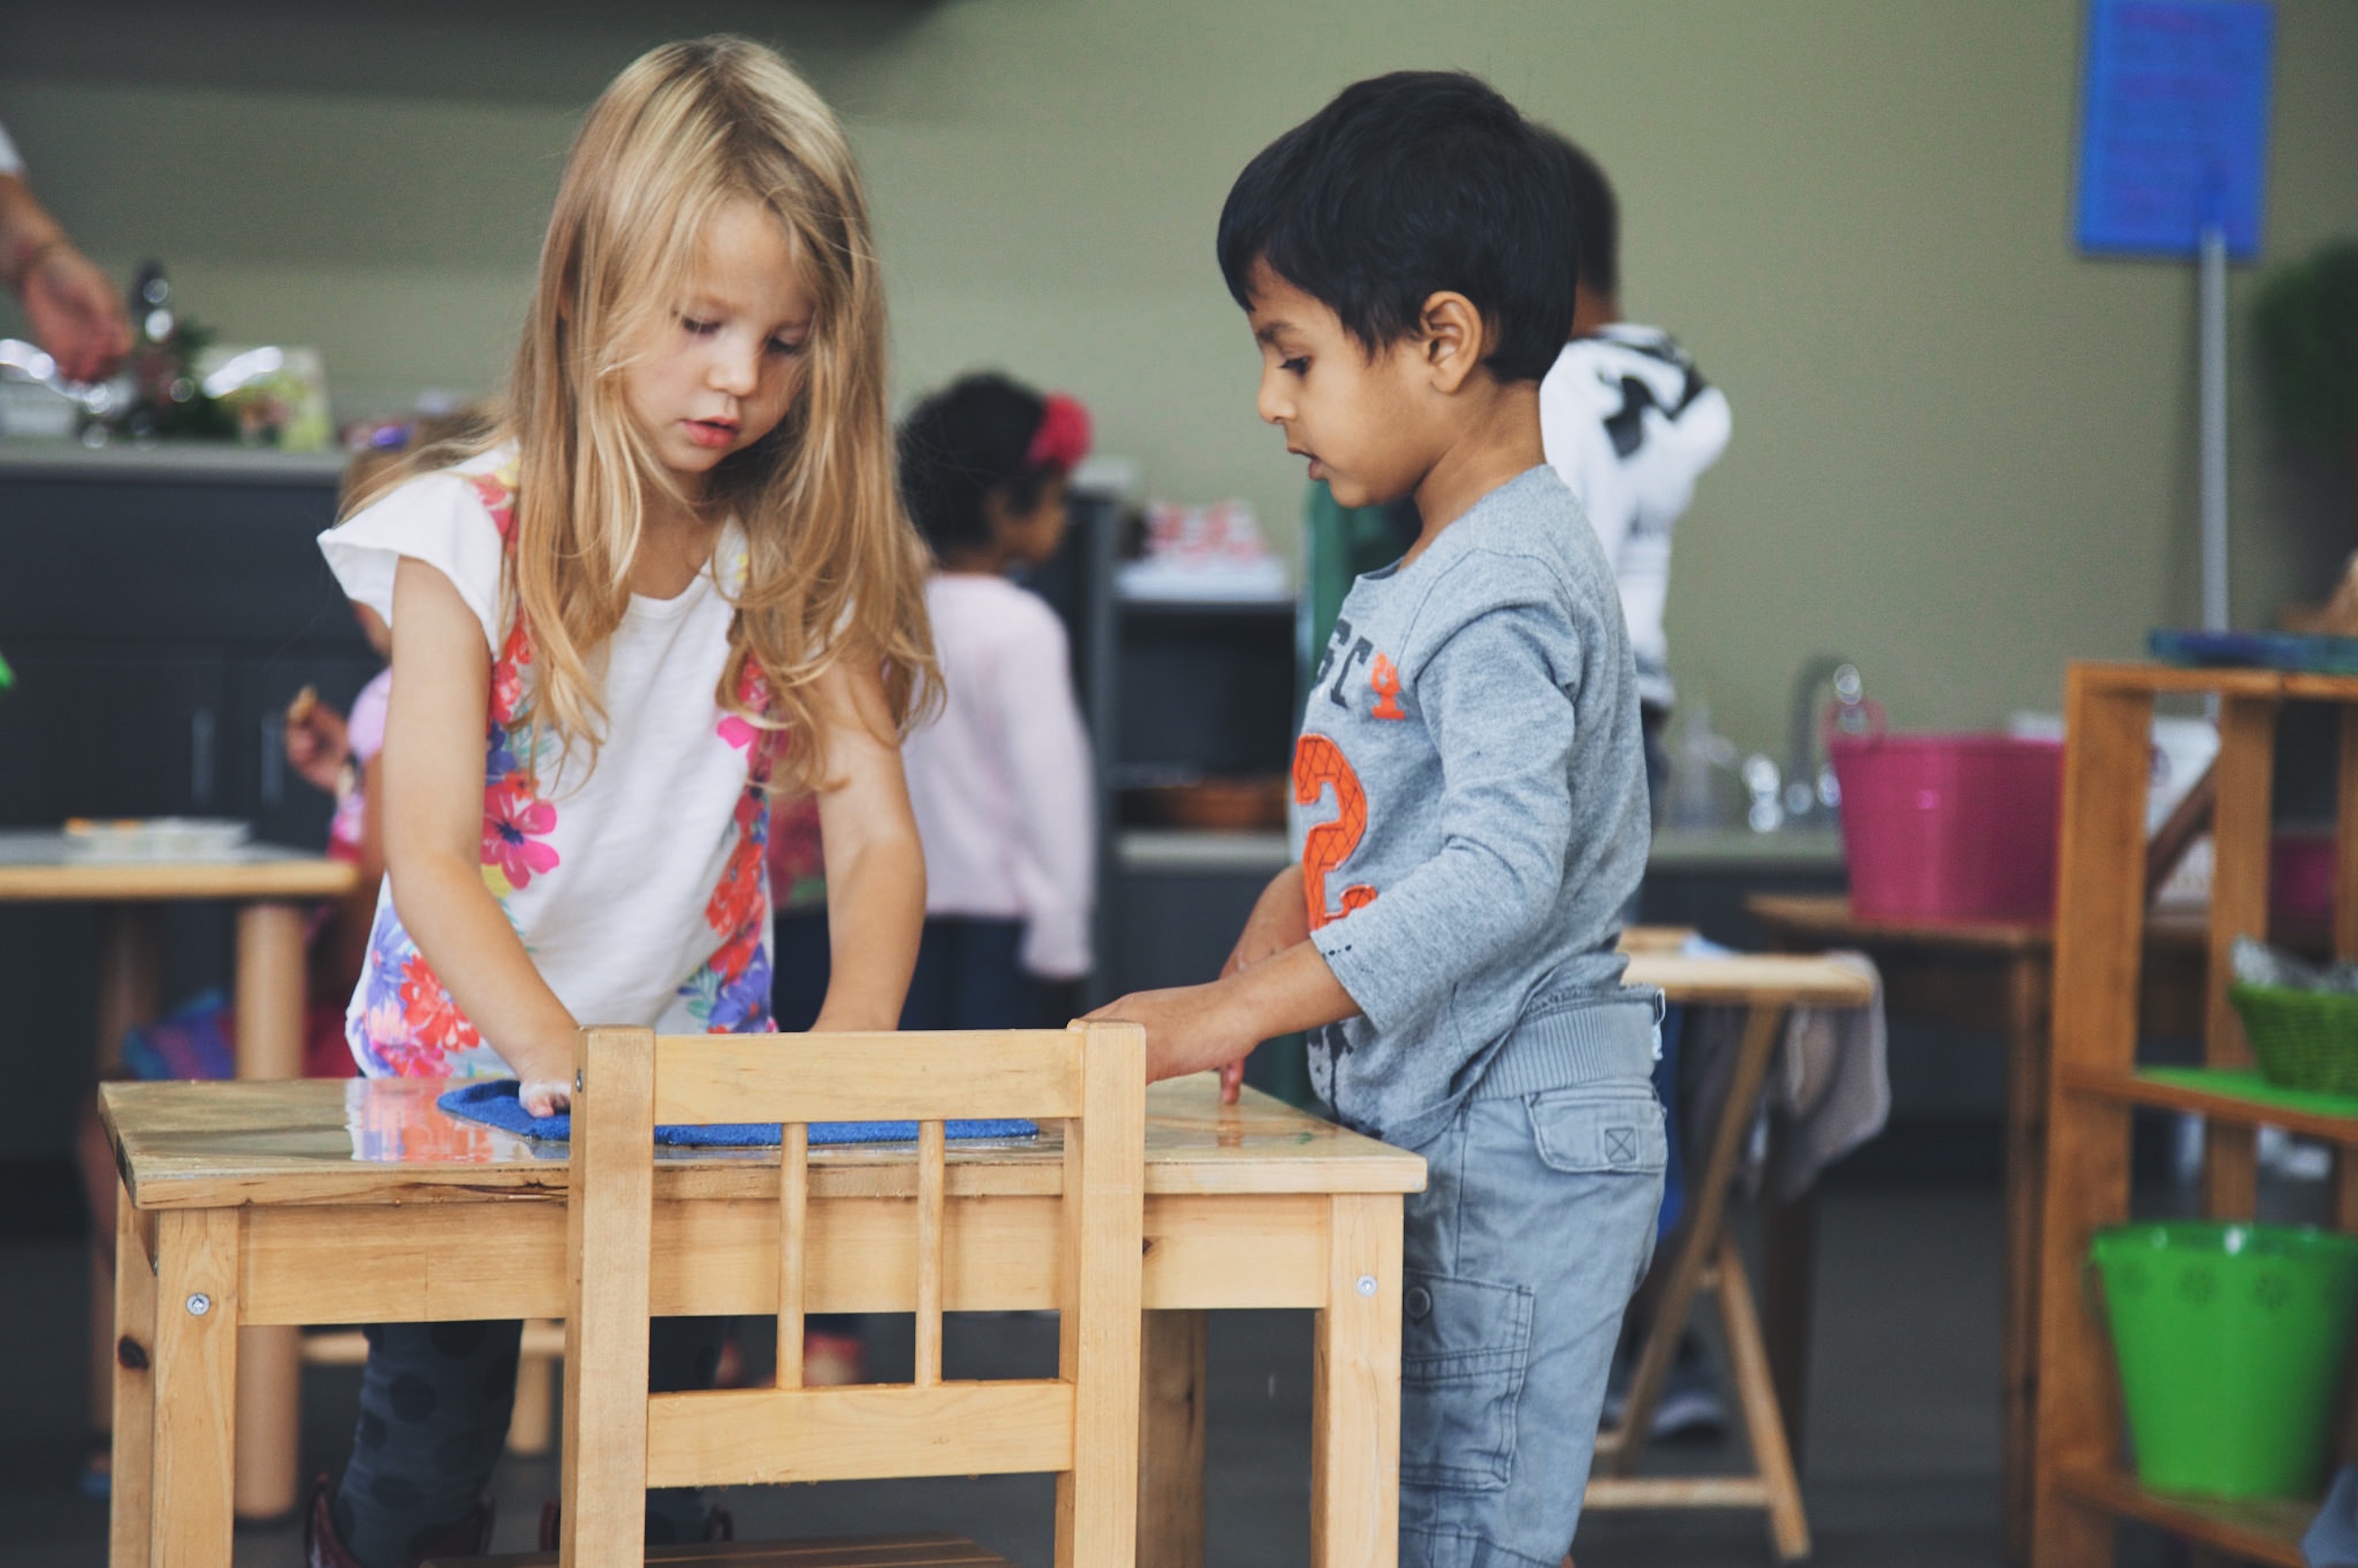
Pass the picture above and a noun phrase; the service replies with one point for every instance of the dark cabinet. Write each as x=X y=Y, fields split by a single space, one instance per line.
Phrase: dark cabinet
x=160 y=609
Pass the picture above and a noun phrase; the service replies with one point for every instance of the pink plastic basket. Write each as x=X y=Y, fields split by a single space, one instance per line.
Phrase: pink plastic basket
x=1949 y=827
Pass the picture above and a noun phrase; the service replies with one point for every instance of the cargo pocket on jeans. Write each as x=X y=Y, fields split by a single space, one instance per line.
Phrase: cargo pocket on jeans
x=1465 y=1345
x=1595 y=1131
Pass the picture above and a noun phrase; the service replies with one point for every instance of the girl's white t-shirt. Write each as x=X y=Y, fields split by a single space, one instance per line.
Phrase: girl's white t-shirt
x=638 y=886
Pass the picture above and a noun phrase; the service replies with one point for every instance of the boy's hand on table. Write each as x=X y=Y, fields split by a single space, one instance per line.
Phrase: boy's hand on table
x=1188 y=1030
x=1279 y=920
x=1191 y=1028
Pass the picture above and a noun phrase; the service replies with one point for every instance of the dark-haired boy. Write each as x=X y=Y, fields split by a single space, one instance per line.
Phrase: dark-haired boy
x=1474 y=797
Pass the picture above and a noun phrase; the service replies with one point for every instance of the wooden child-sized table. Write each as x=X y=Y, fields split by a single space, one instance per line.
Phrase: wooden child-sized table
x=272 y=889
x=1767 y=988
x=252 y=1204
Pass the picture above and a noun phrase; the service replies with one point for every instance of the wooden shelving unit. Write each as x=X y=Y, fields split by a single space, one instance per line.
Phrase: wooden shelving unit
x=2082 y=1489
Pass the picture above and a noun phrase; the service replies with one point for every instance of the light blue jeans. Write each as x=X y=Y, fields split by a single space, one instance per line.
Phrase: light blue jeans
x=1536 y=1224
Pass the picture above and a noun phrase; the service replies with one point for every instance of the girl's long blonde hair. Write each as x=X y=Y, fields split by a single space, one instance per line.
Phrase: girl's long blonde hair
x=834 y=570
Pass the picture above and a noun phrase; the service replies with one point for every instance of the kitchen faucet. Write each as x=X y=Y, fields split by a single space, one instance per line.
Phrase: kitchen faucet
x=1810 y=792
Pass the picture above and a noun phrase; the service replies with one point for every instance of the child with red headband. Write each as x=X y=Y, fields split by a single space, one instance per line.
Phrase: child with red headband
x=1001 y=781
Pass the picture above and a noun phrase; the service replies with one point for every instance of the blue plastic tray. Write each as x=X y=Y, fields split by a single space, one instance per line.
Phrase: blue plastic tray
x=2296 y=651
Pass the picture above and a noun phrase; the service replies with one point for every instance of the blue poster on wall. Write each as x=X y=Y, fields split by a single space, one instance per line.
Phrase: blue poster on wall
x=2174 y=125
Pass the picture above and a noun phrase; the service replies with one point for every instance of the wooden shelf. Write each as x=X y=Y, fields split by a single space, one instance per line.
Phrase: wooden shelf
x=2102 y=957
x=2267 y=1532
x=2139 y=1088
x=2224 y=681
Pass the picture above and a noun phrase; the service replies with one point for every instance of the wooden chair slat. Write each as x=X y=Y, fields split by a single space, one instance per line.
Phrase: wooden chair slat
x=794 y=1250
x=701 y=1079
x=930 y=1163
x=610 y=1216
x=771 y=1436
x=1082 y=1425
x=1097 y=1342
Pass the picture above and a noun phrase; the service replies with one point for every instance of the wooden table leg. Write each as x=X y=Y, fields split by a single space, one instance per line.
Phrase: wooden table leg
x=130 y=947
x=195 y=1382
x=1788 y=1526
x=2024 y=1178
x=1356 y=1389
x=1171 y=1419
x=132 y=1382
x=270 y=990
x=269 y=1045
x=1764 y=1024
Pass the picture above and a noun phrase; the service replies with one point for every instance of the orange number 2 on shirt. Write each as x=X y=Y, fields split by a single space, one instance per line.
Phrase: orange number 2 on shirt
x=1318 y=763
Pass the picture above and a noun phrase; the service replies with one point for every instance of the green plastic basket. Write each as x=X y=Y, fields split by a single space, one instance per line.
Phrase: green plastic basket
x=2230 y=1340
x=2304 y=1040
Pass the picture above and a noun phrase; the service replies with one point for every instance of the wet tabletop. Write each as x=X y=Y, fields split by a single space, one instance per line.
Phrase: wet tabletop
x=191 y=1145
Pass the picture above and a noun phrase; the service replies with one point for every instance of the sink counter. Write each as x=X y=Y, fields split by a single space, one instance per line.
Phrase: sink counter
x=1740 y=848
x=167 y=462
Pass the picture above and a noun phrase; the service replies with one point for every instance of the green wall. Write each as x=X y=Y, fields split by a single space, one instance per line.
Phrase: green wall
x=1963 y=454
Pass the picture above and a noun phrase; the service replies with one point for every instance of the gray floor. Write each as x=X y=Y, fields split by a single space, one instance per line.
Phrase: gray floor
x=1901 y=1466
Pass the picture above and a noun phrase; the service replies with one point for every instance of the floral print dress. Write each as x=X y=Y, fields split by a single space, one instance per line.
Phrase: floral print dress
x=639 y=886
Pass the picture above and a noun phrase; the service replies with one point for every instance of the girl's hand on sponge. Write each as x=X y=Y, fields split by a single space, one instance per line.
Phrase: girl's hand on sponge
x=544 y=1096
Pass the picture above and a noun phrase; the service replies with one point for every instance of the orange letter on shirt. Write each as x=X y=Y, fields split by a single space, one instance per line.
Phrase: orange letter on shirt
x=1318 y=763
x=1385 y=678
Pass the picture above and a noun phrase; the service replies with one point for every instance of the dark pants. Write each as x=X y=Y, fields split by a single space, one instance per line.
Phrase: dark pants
x=435 y=1402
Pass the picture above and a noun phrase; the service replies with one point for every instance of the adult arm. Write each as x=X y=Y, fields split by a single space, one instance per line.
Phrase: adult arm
x=875 y=866
x=431 y=786
x=74 y=309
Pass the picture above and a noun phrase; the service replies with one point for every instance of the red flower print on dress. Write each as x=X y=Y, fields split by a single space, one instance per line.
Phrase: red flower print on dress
x=507 y=677
x=435 y=1020
x=497 y=491
x=736 y=905
x=515 y=821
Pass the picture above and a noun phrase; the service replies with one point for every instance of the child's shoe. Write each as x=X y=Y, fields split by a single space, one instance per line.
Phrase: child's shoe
x=324 y=1548
x=1690 y=1406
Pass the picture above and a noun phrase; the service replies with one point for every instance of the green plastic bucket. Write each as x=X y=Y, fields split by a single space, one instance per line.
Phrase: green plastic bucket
x=2230 y=1340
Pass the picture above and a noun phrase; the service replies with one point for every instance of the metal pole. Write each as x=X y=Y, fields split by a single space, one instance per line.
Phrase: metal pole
x=2213 y=331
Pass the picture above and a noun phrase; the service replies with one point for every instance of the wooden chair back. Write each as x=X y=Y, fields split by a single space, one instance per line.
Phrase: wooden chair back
x=1082 y=1424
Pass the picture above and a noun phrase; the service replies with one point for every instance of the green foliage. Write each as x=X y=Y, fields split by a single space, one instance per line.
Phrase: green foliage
x=2307 y=318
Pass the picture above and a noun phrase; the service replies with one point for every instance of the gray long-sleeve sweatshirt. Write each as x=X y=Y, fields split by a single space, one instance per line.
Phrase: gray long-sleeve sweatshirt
x=1474 y=819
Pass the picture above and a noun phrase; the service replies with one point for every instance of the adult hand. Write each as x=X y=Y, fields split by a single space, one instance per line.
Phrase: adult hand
x=76 y=312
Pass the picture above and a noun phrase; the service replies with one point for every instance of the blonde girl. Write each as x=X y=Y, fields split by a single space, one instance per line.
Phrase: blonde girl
x=675 y=581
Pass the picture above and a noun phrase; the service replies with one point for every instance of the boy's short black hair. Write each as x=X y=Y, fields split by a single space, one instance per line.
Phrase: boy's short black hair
x=960 y=445
x=1405 y=186
x=1595 y=213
